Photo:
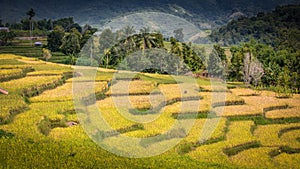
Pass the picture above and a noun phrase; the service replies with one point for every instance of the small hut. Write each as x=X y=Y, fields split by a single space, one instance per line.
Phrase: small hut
x=37 y=43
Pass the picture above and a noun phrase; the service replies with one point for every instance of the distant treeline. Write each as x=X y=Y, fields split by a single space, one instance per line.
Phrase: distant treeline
x=44 y=24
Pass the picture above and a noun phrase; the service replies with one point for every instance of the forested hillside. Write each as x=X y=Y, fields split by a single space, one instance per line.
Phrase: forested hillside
x=280 y=28
x=271 y=41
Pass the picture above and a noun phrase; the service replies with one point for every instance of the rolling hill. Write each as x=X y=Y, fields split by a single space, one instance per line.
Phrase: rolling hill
x=203 y=13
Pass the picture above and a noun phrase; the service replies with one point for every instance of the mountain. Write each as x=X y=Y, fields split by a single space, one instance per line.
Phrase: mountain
x=204 y=13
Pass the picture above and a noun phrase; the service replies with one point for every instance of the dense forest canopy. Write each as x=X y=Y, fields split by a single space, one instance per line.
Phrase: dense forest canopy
x=280 y=28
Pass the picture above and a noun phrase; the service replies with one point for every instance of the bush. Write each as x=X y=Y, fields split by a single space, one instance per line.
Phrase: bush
x=283 y=92
x=47 y=124
x=5 y=134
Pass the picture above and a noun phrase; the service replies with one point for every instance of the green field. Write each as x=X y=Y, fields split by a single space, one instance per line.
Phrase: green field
x=26 y=48
x=253 y=131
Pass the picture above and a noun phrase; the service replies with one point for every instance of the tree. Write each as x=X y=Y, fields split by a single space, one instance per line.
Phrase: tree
x=283 y=88
x=221 y=53
x=236 y=64
x=5 y=37
x=178 y=34
x=215 y=67
x=128 y=31
x=87 y=27
x=114 y=53
x=175 y=49
x=46 y=54
x=253 y=69
x=106 y=40
x=74 y=25
x=88 y=55
x=71 y=43
x=31 y=14
x=55 y=38
x=1 y=24
x=64 y=22
x=85 y=37
x=87 y=33
x=148 y=40
x=145 y=30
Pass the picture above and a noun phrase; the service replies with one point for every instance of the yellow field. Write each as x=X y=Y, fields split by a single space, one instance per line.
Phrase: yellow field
x=250 y=131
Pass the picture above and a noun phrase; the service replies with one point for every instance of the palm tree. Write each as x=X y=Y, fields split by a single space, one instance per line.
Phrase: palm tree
x=31 y=14
x=128 y=31
x=147 y=41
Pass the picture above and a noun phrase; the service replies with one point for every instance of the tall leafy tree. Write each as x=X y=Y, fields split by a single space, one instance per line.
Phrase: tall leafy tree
x=236 y=64
x=106 y=40
x=221 y=53
x=71 y=43
x=215 y=68
x=191 y=58
x=55 y=38
x=175 y=48
x=64 y=22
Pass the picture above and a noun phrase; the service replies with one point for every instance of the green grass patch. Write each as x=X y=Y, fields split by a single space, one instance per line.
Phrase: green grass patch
x=193 y=115
x=286 y=106
x=163 y=104
x=284 y=149
x=106 y=134
x=228 y=103
x=239 y=148
x=261 y=120
x=6 y=134
x=281 y=132
x=187 y=147
x=174 y=133
x=160 y=79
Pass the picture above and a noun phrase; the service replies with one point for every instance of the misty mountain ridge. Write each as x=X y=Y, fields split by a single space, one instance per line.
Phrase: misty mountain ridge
x=204 y=14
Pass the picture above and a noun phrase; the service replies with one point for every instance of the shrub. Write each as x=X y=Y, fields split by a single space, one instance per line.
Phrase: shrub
x=283 y=91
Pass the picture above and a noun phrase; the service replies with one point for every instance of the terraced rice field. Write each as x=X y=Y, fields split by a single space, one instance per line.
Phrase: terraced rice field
x=40 y=127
